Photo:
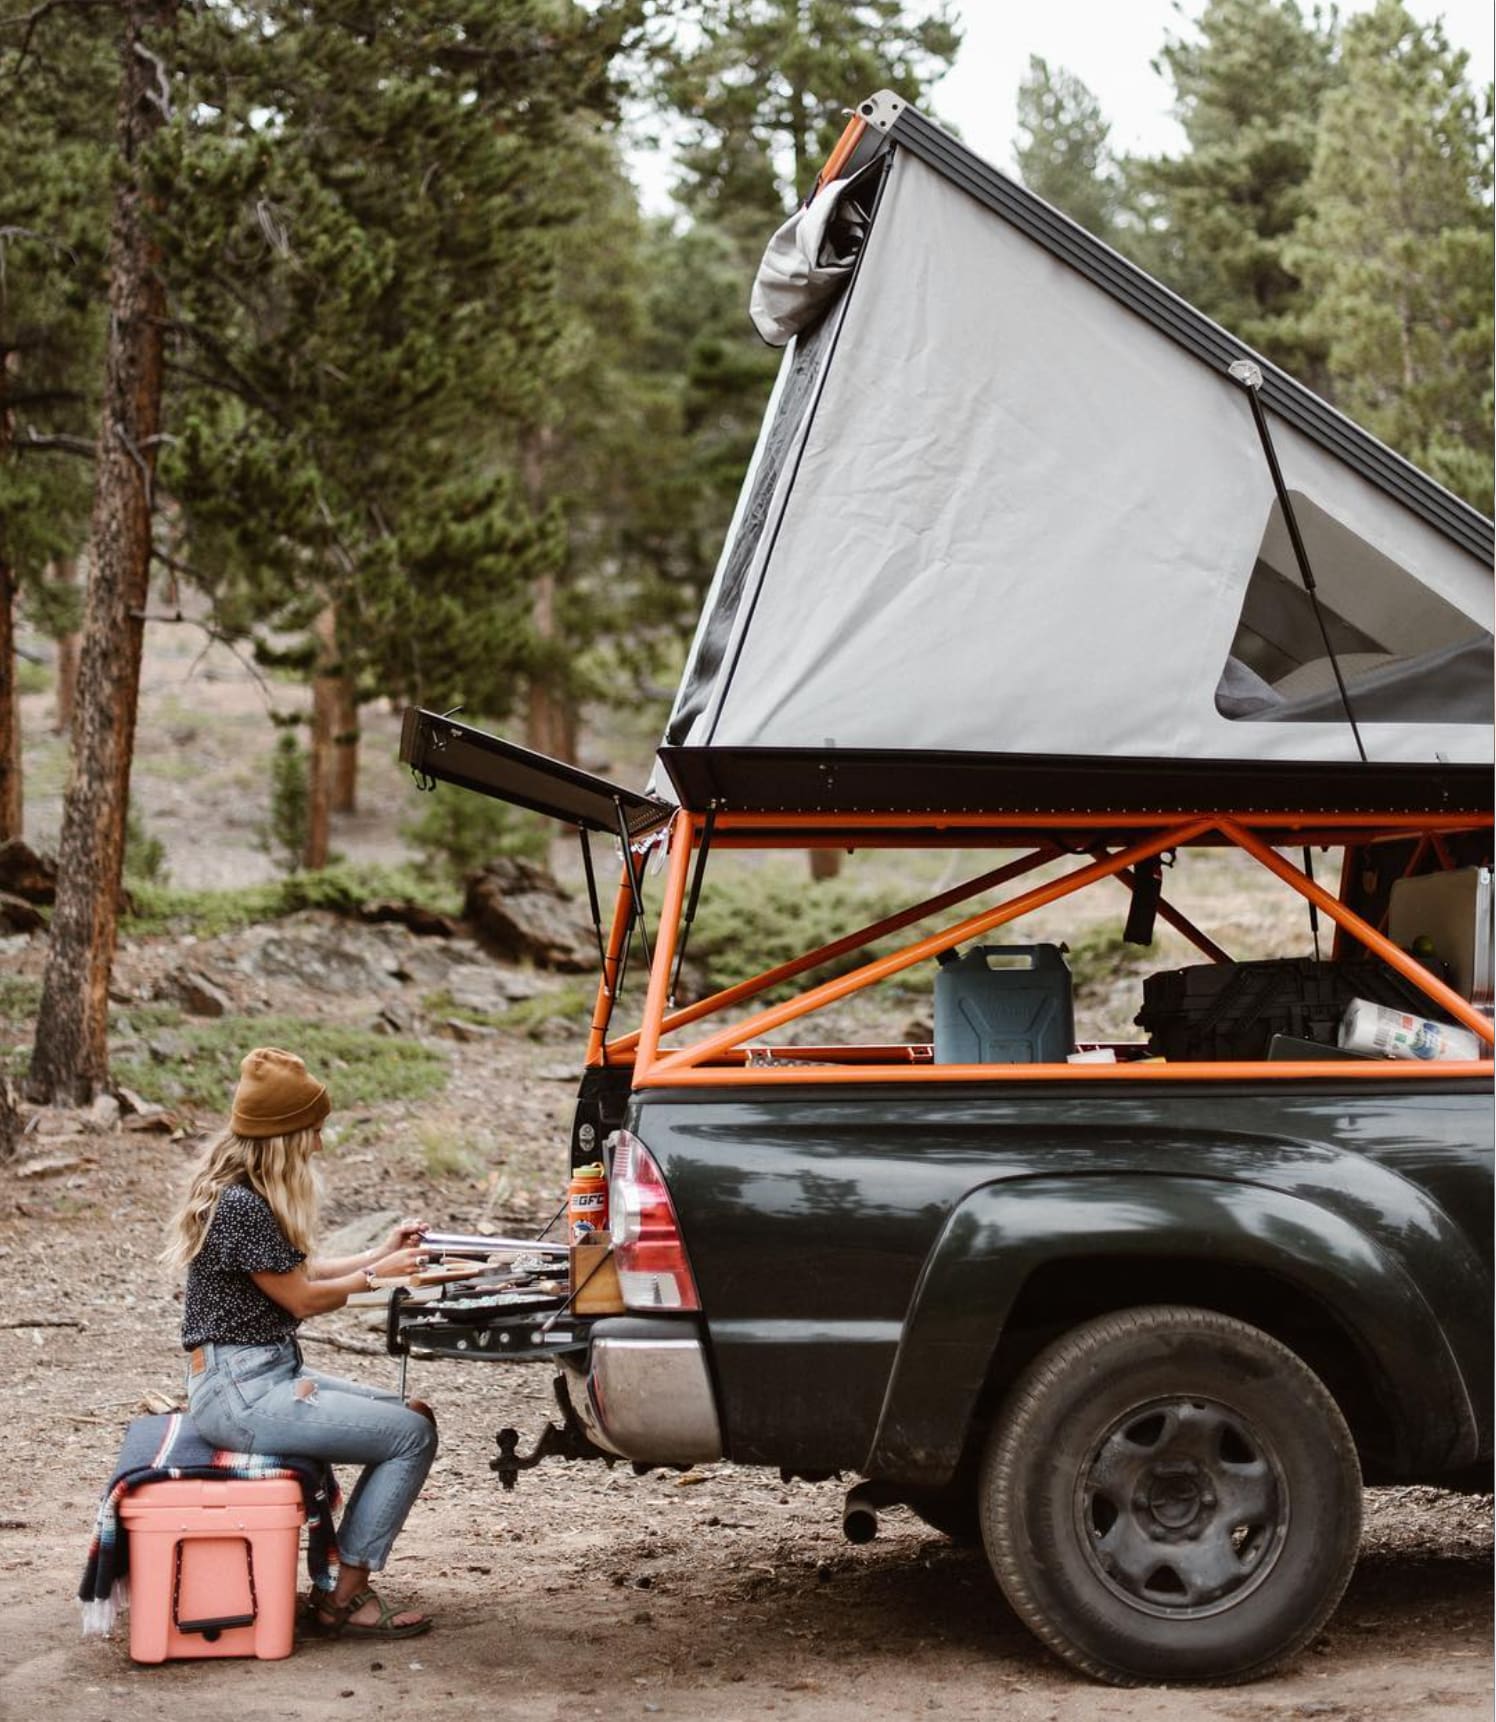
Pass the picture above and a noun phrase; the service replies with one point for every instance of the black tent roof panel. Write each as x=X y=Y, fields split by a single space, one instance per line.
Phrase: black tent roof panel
x=440 y=747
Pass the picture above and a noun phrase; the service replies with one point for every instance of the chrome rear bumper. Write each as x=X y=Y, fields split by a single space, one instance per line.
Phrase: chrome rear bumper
x=646 y=1393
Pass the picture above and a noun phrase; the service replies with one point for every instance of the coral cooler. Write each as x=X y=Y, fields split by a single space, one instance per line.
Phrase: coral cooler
x=213 y=1568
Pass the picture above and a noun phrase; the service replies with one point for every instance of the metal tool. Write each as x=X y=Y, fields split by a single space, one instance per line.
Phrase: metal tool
x=471 y=1244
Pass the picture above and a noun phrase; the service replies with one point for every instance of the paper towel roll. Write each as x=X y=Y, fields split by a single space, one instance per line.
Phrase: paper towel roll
x=1368 y=1027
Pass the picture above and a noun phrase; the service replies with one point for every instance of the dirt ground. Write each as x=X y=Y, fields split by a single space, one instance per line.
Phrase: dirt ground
x=587 y=1592
x=722 y=1594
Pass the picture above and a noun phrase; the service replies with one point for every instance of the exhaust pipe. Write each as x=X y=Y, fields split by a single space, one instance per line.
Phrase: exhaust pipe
x=860 y=1510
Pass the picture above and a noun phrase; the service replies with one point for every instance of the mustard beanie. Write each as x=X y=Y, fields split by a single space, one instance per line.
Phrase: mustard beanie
x=276 y=1095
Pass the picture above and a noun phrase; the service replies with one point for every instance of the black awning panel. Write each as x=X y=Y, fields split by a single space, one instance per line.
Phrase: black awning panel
x=452 y=752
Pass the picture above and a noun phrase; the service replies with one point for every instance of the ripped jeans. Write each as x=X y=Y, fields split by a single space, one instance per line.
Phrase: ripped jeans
x=261 y=1399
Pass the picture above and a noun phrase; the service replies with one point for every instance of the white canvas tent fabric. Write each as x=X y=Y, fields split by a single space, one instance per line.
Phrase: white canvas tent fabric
x=1010 y=516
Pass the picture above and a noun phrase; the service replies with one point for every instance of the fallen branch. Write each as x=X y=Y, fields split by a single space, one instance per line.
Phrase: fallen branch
x=45 y=1321
x=354 y=1345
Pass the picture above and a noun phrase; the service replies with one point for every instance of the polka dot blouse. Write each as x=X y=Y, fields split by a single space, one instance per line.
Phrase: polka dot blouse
x=223 y=1305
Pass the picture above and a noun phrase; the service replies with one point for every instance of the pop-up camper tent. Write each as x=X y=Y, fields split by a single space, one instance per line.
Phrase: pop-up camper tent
x=1033 y=555
x=1011 y=537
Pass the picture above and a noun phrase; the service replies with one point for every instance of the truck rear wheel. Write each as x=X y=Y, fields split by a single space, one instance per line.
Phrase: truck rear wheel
x=1170 y=1495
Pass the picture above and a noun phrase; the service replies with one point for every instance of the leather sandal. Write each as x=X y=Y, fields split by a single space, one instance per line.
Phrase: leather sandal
x=309 y=1601
x=332 y=1619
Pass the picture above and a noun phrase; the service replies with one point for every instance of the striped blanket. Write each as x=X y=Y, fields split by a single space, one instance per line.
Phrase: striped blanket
x=160 y=1449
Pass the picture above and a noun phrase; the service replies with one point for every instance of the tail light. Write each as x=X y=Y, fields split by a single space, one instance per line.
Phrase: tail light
x=653 y=1272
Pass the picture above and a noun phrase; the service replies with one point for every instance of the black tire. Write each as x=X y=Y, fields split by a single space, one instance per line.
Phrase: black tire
x=1171 y=1496
x=952 y=1511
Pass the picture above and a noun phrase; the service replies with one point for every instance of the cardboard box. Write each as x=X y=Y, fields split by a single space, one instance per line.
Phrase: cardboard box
x=594 y=1280
x=1454 y=910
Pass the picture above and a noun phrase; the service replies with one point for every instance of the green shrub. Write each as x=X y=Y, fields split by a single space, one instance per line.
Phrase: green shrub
x=358 y=1067
x=751 y=921
x=441 y=1004
x=342 y=889
x=1102 y=954
x=457 y=832
x=450 y=1150
x=145 y=856
x=33 y=678
x=284 y=835
x=19 y=997
x=571 y=1002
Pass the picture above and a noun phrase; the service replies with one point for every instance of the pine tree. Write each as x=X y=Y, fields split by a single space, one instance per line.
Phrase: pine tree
x=368 y=321
x=352 y=300
x=764 y=86
x=1397 y=250
x=69 y=1060
x=1220 y=219
x=1062 y=148
x=54 y=140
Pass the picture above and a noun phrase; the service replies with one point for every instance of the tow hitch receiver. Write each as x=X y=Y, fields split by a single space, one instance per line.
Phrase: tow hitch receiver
x=570 y=1441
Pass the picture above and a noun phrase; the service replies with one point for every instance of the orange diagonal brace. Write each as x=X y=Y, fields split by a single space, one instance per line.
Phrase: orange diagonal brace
x=665 y=939
x=757 y=984
x=1393 y=955
x=607 y=981
x=829 y=991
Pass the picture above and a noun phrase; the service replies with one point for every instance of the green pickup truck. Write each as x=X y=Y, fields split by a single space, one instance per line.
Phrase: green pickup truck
x=1151 y=1342
x=1036 y=564
x=1144 y=1324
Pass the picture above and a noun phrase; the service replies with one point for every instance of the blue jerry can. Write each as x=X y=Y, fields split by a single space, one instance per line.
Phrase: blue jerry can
x=1004 y=1004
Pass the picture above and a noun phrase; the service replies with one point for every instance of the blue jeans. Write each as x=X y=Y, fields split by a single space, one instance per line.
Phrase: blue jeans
x=255 y=1399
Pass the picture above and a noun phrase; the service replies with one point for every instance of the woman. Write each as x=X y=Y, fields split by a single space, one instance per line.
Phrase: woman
x=244 y=1235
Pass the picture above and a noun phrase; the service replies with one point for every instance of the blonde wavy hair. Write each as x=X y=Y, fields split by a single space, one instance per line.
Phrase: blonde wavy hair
x=279 y=1168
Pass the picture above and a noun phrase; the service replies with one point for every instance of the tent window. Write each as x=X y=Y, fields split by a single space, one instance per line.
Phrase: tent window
x=1407 y=656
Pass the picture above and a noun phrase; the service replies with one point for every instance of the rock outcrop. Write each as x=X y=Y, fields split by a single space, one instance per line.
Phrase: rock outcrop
x=522 y=915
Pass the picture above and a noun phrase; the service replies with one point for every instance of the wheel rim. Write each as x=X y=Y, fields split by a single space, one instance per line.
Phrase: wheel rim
x=1182 y=1507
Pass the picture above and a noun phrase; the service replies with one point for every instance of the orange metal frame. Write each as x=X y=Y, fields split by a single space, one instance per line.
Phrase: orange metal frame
x=728 y=1054
x=840 y=154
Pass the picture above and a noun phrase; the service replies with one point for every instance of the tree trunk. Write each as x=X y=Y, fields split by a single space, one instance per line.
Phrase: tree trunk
x=10 y=1121
x=10 y=708
x=325 y=680
x=10 y=683
x=824 y=863
x=345 y=747
x=67 y=658
x=70 y=1058
x=550 y=720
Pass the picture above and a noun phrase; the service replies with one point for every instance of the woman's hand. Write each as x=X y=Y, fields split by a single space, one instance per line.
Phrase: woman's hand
x=400 y=1264
x=407 y=1232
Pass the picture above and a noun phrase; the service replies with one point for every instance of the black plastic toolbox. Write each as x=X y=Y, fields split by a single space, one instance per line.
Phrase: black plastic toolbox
x=1228 y=1011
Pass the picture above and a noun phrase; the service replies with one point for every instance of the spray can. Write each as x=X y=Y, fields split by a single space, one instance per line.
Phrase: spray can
x=587 y=1203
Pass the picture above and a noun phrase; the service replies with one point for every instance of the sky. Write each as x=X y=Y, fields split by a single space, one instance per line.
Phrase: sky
x=1108 y=45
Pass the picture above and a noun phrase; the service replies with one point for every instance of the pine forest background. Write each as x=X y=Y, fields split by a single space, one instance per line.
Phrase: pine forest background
x=335 y=331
